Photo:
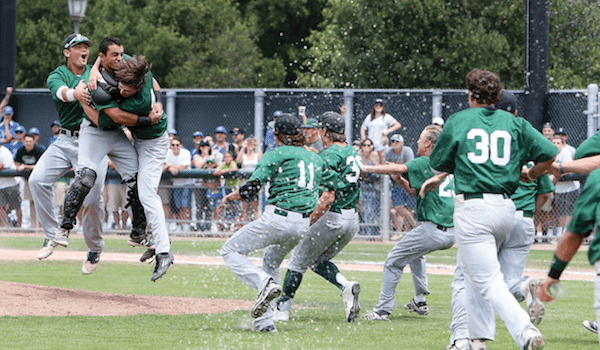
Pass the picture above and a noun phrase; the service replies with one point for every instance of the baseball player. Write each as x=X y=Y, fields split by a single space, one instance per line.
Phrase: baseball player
x=295 y=174
x=333 y=223
x=151 y=146
x=485 y=148
x=436 y=231
x=61 y=156
x=512 y=256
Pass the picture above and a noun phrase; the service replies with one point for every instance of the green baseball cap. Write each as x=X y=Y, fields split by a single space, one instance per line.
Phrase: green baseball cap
x=75 y=39
x=310 y=123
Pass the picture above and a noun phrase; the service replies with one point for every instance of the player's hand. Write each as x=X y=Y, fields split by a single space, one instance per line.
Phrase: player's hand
x=82 y=94
x=224 y=201
x=93 y=79
x=9 y=90
x=158 y=108
x=431 y=184
x=554 y=170
x=542 y=292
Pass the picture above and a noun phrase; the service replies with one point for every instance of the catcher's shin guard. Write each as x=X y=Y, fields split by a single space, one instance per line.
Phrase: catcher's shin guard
x=138 y=217
x=76 y=195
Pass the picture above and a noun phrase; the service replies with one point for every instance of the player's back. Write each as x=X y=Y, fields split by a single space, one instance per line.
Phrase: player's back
x=344 y=162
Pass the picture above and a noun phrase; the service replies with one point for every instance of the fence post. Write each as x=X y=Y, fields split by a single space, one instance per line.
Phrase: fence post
x=592 y=111
x=437 y=104
x=259 y=115
x=385 y=208
x=171 y=113
x=349 y=103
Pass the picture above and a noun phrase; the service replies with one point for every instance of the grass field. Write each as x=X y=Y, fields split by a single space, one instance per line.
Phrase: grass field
x=319 y=325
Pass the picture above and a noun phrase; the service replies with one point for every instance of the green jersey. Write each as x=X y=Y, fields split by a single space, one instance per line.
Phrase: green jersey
x=295 y=175
x=344 y=163
x=524 y=196
x=69 y=113
x=587 y=213
x=589 y=147
x=485 y=149
x=437 y=206
x=141 y=104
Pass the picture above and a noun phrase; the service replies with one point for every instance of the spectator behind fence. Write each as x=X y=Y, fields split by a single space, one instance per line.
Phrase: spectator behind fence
x=310 y=130
x=270 y=142
x=179 y=159
x=14 y=145
x=36 y=136
x=548 y=130
x=213 y=193
x=7 y=129
x=248 y=159
x=566 y=191
x=10 y=196
x=562 y=132
x=378 y=124
x=238 y=135
x=231 y=184
x=26 y=158
x=55 y=126
x=403 y=204
x=221 y=145
x=370 y=193
x=201 y=154
x=117 y=199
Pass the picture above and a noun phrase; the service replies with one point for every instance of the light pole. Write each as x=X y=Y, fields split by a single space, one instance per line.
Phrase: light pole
x=77 y=12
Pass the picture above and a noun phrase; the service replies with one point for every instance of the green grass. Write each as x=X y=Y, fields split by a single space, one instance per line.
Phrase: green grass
x=320 y=326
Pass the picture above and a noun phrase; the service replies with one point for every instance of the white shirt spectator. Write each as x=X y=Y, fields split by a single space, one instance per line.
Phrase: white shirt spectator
x=184 y=158
x=565 y=186
x=375 y=129
x=6 y=158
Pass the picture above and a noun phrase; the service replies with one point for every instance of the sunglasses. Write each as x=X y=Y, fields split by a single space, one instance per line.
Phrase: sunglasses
x=367 y=144
x=175 y=144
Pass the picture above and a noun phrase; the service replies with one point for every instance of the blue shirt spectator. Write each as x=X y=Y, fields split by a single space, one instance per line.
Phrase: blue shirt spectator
x=269 y=135
x=55 y=131
x=14 y=145
x=7 y=115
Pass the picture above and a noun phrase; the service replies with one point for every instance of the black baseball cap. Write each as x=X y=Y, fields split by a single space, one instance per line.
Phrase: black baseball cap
x=237 y=131
x=334 y=122
x=75 y=39
x=507 y=102
x=561 y=131
x=288 y=124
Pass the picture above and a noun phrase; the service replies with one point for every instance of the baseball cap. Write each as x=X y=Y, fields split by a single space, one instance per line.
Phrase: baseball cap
x=547 y=125
x=198 y=133
x=334 y=122
x=172 y=132
x=438 y=121
x=310 y=123
x=288 y=124
x=34 y=131
x=8 y=110
x=237 y=131
x=203 y=143
x=56 y=122
x=277 y=113
x=221 y=128
x=507 y=102
x=379 y=100
x=21 y=128
x=75 y=39
x=397 y=138
x=561 y=131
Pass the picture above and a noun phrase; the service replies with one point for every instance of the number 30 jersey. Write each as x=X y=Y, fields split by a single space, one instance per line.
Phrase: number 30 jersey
x=438 y=205
x=295 y=175
x=485 y=149
x=345 y=165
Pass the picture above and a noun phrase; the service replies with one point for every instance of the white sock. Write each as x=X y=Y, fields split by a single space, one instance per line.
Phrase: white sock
x=341 y=279
x=459 y=343
x=419 y=298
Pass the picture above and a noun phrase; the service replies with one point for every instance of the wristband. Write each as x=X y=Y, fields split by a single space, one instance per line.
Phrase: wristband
x=529 y=175
x=70 y=95
x=143 y=121
x=556 y=267
x=560 y=168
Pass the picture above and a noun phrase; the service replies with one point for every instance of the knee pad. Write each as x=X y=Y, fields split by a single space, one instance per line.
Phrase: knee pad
x=88 y=177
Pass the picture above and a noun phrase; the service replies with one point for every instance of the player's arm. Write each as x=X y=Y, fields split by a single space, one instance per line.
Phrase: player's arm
x=122 y=117
x=157 y=108
x=387 y=169
x=540 y=200
x=566 y=249
x=323 y=206
x=580 y=166
x=432 y=183
x=405 y=185
x=537 y=170
x=6 y=98
x=94 y=75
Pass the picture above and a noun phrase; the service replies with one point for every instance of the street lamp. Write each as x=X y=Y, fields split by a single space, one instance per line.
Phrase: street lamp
x=77 y=12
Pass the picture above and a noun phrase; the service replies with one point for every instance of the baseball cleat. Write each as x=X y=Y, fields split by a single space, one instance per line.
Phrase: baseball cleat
x=372 y=315
x=140 y=240
x=148 y=254
x=47 y=249
x=91 y=263
x=591 y=326
x=61 y=237
x=267 y=329
x=477 y=344
x=281 y=315
x=535 y=308
x=454 y=347
x=350 y=296
x=163 y=261
x=421 y=307
x=534 y=340
x=268 y=294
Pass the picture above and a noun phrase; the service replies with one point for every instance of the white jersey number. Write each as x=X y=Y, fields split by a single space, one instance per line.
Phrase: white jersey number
x=311 y=175
x=446 y=188
x=489 y=146
x=355 y=166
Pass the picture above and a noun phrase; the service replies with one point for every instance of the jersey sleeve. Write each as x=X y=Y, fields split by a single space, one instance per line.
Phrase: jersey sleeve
x=419 y=170
x=545 y=185
x=329 y=177
x=589 y=147
x=267 y=166
x=584 y=213
x=540 y=149
x=442 y=155
x=55 y=81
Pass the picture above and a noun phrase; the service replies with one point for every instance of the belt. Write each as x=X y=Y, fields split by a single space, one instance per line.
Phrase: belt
x=339 y=210
x=480 y=195
x=73 y=133
x=527 y=214
x=285 y=213
x=444 y=228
